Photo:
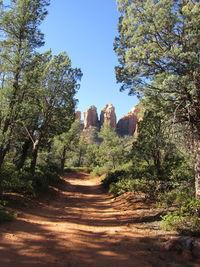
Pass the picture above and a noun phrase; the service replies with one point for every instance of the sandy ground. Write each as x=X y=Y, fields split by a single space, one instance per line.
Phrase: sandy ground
x=83 y=226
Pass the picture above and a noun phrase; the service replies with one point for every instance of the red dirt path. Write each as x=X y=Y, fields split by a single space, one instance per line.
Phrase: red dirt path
x=82 y=226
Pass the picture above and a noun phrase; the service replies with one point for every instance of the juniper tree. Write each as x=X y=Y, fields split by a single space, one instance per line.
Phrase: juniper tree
x=158 y=48
x=20 y=37
x=54 y=103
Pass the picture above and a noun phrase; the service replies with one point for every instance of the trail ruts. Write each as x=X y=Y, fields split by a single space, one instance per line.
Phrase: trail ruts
x=83 y=226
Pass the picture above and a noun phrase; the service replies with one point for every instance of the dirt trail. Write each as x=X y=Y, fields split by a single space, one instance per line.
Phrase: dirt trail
x=82 y=226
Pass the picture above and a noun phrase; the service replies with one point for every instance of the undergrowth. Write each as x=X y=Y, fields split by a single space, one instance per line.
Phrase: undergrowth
x=25 y=183
x=185 y=217
x=5 y=216
x=78 y=169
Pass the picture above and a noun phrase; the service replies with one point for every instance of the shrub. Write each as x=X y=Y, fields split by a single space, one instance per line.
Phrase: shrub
x=149 y=188
x=23 y=182
x=98 y=171
x=177 y=196
x=5 y=216
x=121 y=187
x=45 y=176
x=185 y=220
x=16 y=180
x=113 y=177
x=78 y=169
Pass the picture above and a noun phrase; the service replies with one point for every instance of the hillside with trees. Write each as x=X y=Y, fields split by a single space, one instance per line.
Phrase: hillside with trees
x=101 y=186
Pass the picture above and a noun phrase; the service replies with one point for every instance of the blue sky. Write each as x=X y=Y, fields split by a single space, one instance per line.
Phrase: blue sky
x=86 y=29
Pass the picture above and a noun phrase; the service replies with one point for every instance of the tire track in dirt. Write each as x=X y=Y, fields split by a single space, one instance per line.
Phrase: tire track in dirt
x=82 y=227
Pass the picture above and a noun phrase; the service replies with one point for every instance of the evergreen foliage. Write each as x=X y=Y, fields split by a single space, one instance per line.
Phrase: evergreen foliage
x=158 y=50
x=37 y=98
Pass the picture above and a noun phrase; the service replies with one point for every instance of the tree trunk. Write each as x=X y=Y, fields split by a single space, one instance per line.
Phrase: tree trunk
x=197 y=172
x=79 y=158
x=157 y=163
x=24 y=154
x=3 y=152
x=1 y=189
x=34 y=159
x=2 y=156
x=62 y=162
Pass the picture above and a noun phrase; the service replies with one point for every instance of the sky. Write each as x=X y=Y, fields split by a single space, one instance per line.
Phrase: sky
x=86 y=29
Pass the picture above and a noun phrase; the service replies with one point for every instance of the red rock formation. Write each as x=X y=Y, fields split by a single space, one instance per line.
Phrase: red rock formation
x=91 y=117
x=139 y=113
x=78 y=115
x=108 y=116
x=127 y=125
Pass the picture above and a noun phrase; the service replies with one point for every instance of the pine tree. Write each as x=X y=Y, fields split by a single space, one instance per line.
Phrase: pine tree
x=158 y=49
x=20 y=37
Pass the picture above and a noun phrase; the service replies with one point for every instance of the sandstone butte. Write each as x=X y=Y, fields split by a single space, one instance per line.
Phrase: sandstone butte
x=108 y=116
x=127 y=125
x=91 y=117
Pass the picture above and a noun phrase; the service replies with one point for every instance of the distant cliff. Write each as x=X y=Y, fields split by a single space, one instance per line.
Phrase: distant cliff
x=127 y=125
x=91 y=117
x=108 y=116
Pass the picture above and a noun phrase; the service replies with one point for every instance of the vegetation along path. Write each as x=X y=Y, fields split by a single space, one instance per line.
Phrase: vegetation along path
x=83 y=226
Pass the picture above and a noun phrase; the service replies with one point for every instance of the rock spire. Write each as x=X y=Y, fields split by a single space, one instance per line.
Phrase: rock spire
x=127 y=124
x=108 y=116
x=91 y=117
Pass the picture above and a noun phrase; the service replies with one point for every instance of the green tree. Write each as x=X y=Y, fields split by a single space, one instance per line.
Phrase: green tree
x=55 y=103
x=154 y=152
x=113 y=149
x=158 y=49
x=20 y=37
x=67 y=142
x=90 y=158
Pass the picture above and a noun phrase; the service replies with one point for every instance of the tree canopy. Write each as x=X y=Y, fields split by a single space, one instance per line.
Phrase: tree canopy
x=158 y=48
x=37 y=90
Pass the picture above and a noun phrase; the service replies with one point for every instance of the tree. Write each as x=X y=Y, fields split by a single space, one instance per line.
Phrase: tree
x=154 y=148
x=55 y=103
x=113 y=149
x=37 y=90
x=67 y=142
x=20 y=37
x=158 y=49
x=90 y=157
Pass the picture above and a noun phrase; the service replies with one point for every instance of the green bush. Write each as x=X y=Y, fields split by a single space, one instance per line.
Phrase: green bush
x=123 y=180
x=78 y=169
x=99 y=171
x=113 y=177
x=45 y=176
x=23 y=182
x=177 y=196
x=185 y=220
x=16 y=180
x=121 y=187
x=5 y=216
x=149 y=188
x=69 y=169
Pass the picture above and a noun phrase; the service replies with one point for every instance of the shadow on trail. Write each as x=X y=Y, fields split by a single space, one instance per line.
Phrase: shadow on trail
x=85 y=249
x=86 y=205
x=79 y=228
